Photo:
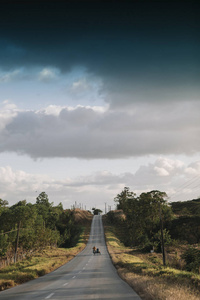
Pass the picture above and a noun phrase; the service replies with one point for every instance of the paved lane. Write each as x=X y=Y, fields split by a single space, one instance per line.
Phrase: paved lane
x=87 y=276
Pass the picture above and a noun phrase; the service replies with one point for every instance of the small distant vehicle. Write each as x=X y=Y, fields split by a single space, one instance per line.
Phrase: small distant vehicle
x=97 y=251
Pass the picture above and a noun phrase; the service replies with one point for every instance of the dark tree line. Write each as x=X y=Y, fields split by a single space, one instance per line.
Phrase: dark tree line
x=144 y=215
x=39 y=225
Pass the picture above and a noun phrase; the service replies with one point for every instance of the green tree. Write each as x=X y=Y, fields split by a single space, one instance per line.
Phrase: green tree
x=3 y=205
x=124 y=198
x=54 y=216
x=143 y=215
x=23 y=212
x=3 y=244
x=44 y=207
x=96 y=211
x=43 y=199
x=192 y=259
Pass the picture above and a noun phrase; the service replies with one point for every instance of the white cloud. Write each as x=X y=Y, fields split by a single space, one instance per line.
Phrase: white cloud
x=56 y=110
x=8 y=111
x=80 y=85
x=161 y=171
x=9 y=76
x=18 y=182
x=48 y=74
x=98 y=132
x=100 y=186
x=193 y=169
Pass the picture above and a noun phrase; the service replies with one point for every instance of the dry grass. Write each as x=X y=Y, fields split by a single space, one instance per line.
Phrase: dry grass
x=82 y=217
x=40 y=264
x=147 y=276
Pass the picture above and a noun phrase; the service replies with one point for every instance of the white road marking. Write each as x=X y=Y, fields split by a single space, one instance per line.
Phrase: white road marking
x=79 y=272
x=74 y=277
x=49 y=296
x=66 y=283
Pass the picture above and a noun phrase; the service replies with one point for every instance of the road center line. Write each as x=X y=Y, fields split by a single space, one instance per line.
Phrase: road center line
x=49 y=296
x=74 y=277
x=66 y=283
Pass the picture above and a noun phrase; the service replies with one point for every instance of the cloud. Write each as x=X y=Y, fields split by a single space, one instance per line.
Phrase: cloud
x=10 y=76
x=48 y=74
x=92 y=132
x=18 y=181
x=168 y=175
x=23 y=73
x=160 y=171
x=193 y=169
x=80 y=85
x=17 y=185
x=8 y=111
x=142 y=52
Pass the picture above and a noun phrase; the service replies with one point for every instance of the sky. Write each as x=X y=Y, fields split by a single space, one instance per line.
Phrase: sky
x=96 y=96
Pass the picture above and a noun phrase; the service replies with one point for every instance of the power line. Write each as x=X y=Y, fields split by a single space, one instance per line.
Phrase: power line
x=185 y=185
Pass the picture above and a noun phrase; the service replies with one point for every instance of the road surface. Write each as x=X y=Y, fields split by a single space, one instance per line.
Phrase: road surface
x=87 y=276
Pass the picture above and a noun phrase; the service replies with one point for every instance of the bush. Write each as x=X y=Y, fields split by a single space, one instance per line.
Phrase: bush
x=192 y=259
x=3 y=244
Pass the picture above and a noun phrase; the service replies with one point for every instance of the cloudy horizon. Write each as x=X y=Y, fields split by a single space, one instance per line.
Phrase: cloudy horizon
x=95 y=96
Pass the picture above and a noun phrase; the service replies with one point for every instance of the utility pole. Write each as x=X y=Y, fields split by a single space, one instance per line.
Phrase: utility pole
x=105 y=208
x=17 y=242
x=162 y=237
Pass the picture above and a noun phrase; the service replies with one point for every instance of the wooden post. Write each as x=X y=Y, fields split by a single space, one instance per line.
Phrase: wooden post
x=162 y=238
x=17 y=242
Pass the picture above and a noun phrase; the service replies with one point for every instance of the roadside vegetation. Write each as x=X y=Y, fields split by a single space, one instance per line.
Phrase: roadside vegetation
x=37 y=238
x=40 y=263
x=134 y=240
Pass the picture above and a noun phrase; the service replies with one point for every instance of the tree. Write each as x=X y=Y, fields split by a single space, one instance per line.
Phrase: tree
x=3 y=205
x=96 y=211
x=23 y=212
x=123 y=198
x=143 y=215
x=44 y=207
x=43 y=199
x=3 y=244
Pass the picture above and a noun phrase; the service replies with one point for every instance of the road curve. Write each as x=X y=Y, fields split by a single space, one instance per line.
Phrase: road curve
x=87 y=276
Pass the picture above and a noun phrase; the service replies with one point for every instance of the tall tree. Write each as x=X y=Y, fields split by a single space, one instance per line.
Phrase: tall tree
x=3 y=205
x=123 y=198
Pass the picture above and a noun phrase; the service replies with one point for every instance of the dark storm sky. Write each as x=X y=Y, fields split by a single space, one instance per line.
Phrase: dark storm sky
x=154 y=44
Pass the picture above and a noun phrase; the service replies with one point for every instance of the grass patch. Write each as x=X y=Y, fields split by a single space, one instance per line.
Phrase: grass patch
x=146 y=274
x=40 y=263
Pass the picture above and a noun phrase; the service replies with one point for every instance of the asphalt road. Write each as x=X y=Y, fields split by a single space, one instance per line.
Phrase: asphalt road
x=87 y=276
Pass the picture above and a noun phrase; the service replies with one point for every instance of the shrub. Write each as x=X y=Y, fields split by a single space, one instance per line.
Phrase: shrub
x=192 y=259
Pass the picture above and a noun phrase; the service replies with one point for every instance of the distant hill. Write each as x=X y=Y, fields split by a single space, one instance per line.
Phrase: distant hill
x=186 y=224
x=82 y=217
x=186 y=208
